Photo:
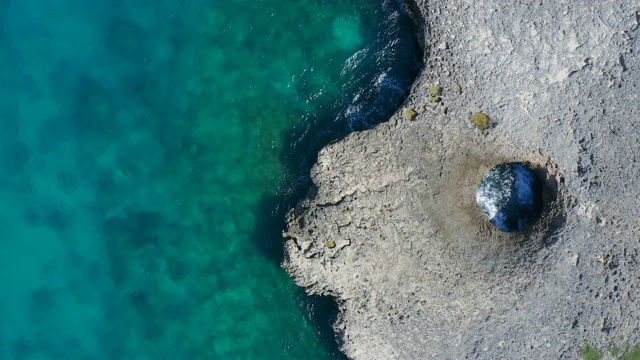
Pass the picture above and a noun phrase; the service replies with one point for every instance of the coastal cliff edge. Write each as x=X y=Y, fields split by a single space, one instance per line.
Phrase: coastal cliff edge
x=391 y=229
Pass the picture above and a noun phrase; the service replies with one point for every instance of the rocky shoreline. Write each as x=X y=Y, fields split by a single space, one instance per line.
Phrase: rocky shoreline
x=392 y=231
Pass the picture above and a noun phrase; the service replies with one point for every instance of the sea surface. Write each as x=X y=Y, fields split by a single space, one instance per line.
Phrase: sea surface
x=148 y=153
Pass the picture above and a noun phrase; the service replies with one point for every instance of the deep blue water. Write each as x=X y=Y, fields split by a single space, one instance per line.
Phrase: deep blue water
x=148 y=153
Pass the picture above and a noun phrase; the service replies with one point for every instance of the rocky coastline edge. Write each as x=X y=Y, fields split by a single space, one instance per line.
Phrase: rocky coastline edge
x=391 y=229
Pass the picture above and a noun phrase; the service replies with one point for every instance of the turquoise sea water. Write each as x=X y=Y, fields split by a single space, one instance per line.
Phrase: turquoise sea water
x=148 y=153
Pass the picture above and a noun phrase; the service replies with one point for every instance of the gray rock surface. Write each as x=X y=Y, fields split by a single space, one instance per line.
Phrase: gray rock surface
x=416 y=269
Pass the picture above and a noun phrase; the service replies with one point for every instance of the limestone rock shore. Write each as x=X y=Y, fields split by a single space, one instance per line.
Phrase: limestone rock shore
x=392 y=231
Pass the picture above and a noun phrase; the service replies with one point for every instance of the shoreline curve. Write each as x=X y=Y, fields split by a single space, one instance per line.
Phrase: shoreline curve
x=391 y=230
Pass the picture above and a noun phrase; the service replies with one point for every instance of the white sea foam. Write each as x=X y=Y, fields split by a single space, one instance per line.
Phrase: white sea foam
x=494 y=191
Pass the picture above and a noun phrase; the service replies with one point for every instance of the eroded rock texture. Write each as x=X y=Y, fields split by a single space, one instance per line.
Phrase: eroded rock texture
x=393 y=232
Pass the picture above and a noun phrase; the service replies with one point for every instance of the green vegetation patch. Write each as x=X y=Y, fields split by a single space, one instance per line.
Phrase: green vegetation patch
x=408 y=114
x=589 y=352
x=632 y=353
x=480 y=120
x=436 y=90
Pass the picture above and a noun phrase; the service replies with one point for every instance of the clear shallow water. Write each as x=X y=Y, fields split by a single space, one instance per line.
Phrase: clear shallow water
x=148 y=151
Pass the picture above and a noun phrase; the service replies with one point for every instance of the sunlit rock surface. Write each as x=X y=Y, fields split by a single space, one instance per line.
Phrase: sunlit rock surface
x=417 y=270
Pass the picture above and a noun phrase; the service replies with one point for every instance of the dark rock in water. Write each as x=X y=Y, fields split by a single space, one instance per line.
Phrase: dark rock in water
x=511 y=196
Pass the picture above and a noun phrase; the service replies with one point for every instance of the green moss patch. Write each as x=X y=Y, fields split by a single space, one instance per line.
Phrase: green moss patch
x=409 y=114
x=480 y=120
x=589 y=352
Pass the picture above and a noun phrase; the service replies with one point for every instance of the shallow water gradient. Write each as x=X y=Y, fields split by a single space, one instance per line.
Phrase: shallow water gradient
x=148 y=151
